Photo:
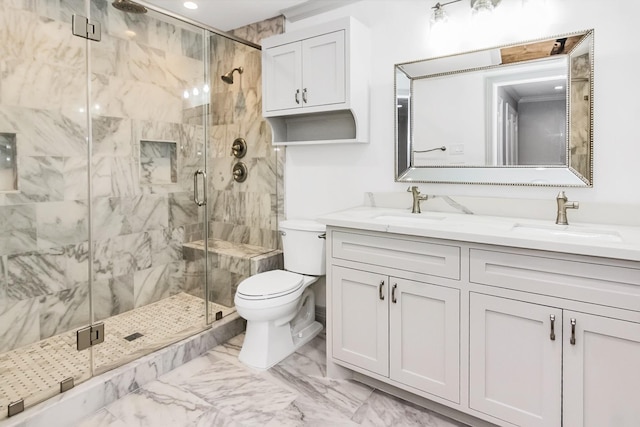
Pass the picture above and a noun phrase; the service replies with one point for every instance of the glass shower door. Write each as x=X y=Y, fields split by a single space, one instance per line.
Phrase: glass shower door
x=44 y=211
x=149 y=97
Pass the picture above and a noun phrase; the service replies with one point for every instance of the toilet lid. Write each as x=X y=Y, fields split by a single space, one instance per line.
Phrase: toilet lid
x=270 y=284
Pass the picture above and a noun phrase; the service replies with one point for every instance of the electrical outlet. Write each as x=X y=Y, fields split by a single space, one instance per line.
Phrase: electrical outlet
x=456 y=149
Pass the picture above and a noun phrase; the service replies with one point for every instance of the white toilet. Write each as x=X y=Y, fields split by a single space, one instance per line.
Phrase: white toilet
x=278 y=305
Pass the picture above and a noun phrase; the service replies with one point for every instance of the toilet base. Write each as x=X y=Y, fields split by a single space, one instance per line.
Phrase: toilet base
x=306 y=335
x=266 y=344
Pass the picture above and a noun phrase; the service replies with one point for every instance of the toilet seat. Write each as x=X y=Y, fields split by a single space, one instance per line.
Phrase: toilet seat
x=270 y=284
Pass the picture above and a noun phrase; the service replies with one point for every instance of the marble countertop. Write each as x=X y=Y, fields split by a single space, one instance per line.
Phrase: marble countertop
x=601 y=240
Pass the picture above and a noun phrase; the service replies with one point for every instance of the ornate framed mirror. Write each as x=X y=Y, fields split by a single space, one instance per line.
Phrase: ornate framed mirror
x=519 y=114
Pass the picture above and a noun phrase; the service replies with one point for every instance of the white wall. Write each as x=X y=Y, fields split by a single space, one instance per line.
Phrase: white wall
x=321 y=179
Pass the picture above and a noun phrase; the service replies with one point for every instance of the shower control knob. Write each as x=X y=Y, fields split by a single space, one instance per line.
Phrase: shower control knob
x=239 y=148
x=240 y=172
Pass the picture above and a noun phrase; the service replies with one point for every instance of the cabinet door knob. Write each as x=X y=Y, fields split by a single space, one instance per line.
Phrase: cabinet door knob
x=393 y=293
x=552 y=335
x=304 y=95
x=297 y=96
x=573 y=332
x=380 y=286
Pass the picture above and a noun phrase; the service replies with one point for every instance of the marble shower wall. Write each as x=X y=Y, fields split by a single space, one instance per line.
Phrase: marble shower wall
x=246 y=212
x=139 y=72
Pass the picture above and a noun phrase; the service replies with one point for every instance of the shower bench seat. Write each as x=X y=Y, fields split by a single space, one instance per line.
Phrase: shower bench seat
x=229 y=264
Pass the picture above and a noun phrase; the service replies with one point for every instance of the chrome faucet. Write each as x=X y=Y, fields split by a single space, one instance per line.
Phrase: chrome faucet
x=417 y=198
x=563 y=205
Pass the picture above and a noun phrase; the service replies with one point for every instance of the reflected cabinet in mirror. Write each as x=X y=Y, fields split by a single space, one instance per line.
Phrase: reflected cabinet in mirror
x=519 y=114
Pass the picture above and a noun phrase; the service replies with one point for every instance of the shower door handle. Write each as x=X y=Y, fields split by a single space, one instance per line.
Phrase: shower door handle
x=196 y=198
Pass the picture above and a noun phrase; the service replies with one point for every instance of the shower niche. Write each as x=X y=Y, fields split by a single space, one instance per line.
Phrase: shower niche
x=158 y=162
x=8 y=162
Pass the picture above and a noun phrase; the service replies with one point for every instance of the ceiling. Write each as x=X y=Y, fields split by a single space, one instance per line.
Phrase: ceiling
x=227 y=15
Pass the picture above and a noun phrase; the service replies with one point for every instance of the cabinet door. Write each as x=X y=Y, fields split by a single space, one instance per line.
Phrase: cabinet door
x=514 y=365
x=360 y=319
x=323 y=70
x=283 y=79
x=601 y=372
x=424 y=337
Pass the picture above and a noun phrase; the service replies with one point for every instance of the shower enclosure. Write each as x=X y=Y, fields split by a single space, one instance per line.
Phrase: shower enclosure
x=121 y=227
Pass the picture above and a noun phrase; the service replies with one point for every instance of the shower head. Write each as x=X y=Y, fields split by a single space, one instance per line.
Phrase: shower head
x=228 y=78
x=129 y=6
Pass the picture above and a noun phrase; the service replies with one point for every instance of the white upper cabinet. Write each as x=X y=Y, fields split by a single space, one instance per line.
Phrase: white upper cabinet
x=306 y=74
x=315 y=84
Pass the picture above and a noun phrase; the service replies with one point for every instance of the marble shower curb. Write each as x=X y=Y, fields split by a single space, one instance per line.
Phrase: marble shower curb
x=74 y=405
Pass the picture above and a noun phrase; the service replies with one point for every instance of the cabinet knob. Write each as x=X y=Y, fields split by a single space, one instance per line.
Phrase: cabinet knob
x=380 y=286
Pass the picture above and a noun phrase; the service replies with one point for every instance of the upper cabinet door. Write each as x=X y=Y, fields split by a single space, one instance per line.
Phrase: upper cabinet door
x=601 y=369
x=283 y=84
x=323 y=70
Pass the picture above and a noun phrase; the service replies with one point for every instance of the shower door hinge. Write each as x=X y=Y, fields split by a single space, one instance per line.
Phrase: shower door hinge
x=90 y=336
x=82 y=27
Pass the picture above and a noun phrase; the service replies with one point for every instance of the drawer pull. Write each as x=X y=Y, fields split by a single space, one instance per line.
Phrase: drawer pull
x=553 y=324
x=297 y=96
x=380 y=286
x=393 y=293
x=573 y=332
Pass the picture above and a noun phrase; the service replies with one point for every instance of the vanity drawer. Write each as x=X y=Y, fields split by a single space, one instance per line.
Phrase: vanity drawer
x=589 y=280
x=409 y=255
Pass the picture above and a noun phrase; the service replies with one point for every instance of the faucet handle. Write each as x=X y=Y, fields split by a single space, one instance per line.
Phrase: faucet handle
x=413 y=189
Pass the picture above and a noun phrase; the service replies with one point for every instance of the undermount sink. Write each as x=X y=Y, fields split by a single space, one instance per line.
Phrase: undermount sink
x=568 y=231
x=410 y=218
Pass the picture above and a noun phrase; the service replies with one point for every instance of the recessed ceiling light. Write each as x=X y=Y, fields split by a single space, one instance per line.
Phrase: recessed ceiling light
x=190 y=5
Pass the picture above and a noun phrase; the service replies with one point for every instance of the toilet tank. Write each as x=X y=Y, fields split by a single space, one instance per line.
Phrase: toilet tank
x=303 y=250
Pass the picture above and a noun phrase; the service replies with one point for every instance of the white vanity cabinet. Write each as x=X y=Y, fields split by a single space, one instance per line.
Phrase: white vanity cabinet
x=487 y=334
x=552 y=362
x=531 y=369
x=315 y=84
x=306 y=73
x=404 y=330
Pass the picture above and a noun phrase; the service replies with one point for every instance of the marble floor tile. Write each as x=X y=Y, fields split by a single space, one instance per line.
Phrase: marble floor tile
x=102 y=418
x=218 y=390
x=159 y=404
x=384 y=410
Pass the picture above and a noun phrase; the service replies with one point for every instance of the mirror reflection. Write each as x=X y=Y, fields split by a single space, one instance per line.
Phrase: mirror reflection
x=518 y=114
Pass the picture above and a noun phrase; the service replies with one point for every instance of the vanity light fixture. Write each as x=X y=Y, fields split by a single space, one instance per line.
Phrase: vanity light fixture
x=439 y=15
x=190 y=5
x=478 y=8
x=482 y=6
